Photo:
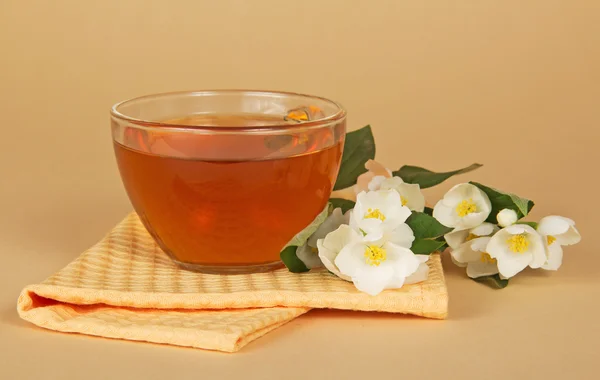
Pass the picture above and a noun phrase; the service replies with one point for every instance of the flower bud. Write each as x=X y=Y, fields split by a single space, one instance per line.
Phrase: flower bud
x=507 y=217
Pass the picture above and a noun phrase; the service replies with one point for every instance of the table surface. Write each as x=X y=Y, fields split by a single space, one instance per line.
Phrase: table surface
x=513 y=85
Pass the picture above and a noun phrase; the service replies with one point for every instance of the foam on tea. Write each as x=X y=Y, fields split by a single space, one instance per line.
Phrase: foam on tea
x=221 y=199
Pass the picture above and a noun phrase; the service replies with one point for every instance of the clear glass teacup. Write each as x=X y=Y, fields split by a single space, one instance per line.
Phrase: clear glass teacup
x=223 y=180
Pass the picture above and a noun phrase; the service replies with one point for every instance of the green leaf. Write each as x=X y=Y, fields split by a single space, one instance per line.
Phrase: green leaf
x=533 y=225
x=344 y=204
x=426 y=178
x=302 y=236
x=428 y=211
x=493 y=281
x=426 y=247
x=359 y=147
x=425 y=226
x=501 y=200
x=291 y=261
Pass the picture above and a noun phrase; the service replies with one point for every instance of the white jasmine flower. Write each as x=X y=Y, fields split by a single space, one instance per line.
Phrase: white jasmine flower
x=557 y=231
x=381 y=212
x=376 y=265
x=309 y=253
x=335 y=241
x=456 y=238
x=464 y=206
x=507 y=217
x=410 y=194
x=474 y=257
x=516 y=247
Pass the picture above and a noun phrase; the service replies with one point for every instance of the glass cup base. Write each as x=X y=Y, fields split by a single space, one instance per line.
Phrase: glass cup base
x=230 y=269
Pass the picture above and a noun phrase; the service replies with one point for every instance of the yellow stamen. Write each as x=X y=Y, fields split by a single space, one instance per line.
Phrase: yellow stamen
x=374 y=214
x=466 y=207
x=518 y=243
x=403 y=200
x=375 y=255
x=314 y=250
x=486 y=258
x=551 y=239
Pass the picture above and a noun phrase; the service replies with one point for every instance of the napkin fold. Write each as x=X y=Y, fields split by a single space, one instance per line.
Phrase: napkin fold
x=125 y=287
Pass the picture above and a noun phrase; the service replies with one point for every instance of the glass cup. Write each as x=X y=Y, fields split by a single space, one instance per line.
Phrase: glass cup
x=223 y=180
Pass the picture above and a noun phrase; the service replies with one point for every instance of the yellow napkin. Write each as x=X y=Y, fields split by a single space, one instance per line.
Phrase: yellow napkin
x=125 y=287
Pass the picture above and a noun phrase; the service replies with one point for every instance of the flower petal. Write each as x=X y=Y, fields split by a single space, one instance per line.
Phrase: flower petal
x=403 y=260
x=465 y=254
x=484 y=203
x=381 y=200
x=402 y=235
x=472 y=220
x=391 y=201
x=456 y=238
x=333 y=269
x=484 y=229
x=537 y=249
x=371 y=225
x=413 y=195
x=332 y=222
x=554 y=254
x=508 y=266
x=358 y=212
x=517 y=229
x=480 y=244
x=445 y=214
x=457 y=263
x=336 y=240
x=420 y=275
x=410 y=192
x=391 y=183
x=351 y=259
x=353 y=222
x=478 y=268
x=553 y=225
x=373 y=280
x=570 y=237
x=375 y=183
x=396 y=216
x=456 y=194
x=333 y=243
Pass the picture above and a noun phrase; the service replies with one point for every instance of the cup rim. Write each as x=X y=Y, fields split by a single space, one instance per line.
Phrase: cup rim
x=153 y=124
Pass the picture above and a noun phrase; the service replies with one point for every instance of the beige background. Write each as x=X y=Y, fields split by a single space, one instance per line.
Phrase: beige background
x=514 y=85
